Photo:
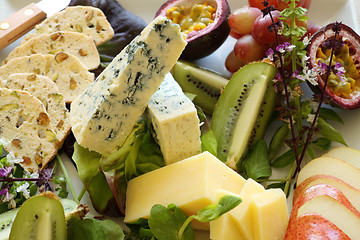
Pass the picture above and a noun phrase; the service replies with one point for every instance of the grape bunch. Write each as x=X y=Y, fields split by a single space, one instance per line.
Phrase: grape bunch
x=250 y=28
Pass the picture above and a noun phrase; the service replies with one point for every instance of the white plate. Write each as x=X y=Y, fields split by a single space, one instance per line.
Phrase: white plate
x=321 y=12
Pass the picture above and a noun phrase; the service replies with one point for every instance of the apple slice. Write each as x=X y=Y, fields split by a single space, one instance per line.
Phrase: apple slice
x=334 y=211
x=333 y=167
x=303 y=228
x=347 y=154
x=318 y=191
x=351 y=193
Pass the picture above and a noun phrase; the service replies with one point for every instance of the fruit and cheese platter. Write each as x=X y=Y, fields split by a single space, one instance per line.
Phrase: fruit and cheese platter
x=182 y=119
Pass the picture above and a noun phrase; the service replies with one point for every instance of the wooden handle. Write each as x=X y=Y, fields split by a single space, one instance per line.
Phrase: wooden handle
x=19 y=23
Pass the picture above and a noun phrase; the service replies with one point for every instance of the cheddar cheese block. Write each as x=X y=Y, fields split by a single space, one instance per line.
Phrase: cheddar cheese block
x=239 y=222
x=47 y=92
x=69 y=74
x=109 y=108
x=175 y=121
x=25 y=129
x=77 y=44
x=191 y=184
x=224 y=228
x=269 y=214
x=87 y=20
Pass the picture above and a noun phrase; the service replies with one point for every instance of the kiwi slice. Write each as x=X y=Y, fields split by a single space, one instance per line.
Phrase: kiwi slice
x=238 y=108
x=40 y=217
x=6 y=221
x=205 y=84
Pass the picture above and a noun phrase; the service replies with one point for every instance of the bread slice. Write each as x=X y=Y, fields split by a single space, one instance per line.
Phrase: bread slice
x=88 y=20
x=25 y=129
x=77 y=44
x=66 y=70
x=47 y=92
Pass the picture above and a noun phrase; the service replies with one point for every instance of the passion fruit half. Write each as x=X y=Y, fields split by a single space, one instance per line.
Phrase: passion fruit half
x=344 y=89
x=205 y=23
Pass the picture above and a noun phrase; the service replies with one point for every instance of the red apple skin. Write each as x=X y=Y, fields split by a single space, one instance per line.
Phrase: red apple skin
x=303 y=229
x=304 y=185
x=321 y=189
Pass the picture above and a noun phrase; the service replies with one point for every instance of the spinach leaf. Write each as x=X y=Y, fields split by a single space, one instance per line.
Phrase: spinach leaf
x=329 y=114
x=94 y=181
x=330 y=132
x=93 y=229
x=209 y=143
x=165 y=223
x=257 y=164
x=213 y=212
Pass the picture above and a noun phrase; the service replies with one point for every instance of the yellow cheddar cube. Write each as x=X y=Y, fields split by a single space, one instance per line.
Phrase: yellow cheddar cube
x=241 y=215
x=191 y=184
x=224 y=228
x=270 y=214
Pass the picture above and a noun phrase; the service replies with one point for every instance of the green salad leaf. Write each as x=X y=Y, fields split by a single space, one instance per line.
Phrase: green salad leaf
x=93 y=229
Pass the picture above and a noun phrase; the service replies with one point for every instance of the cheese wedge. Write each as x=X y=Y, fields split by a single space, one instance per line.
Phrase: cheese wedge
x=110 y=107
x=175 y=121
x=191 y=184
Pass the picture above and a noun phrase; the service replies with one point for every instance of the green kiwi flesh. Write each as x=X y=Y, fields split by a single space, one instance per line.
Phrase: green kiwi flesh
x=205 y=84
x=40 y=217
x=6 y=221
x=237 y=110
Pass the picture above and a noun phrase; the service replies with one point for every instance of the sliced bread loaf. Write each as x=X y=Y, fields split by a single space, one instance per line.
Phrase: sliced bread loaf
x=83 y=19
x=66 y=70
x=77 y=44
x=47 y=92
x=25 y=129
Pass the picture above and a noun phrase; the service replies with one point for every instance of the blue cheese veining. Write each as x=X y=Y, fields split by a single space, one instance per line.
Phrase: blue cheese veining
x=105 y=113
x=175 y=122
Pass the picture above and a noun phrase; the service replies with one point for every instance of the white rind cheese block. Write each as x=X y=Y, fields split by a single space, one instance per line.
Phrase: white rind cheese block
x=109 y=108
x=175 y=122
x=191 y=184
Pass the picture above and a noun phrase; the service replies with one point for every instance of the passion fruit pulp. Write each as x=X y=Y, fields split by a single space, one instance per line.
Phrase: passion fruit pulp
x=205 y=24
x=343 y=89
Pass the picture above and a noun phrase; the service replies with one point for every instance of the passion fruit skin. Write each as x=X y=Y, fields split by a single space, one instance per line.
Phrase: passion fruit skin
x=203 y=42
x=350 y=38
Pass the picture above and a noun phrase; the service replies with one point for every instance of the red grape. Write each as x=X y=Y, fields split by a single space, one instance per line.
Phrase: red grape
x=312 y=28
x=258 y=3
x=233 y=63
x=242 y=19
x=260 y=30
x=307 y=4
x=235 y=34
x=248 y=50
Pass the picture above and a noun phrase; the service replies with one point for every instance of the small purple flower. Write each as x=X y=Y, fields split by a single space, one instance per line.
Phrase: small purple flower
x=339 y=70
x=5 y=171
x=270 y=54
x=298 y=76
x=321 y=67
x=4 y=191
x=280 y=48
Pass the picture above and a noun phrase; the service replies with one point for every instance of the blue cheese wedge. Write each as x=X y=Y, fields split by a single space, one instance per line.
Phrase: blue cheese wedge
x=175 y=122
x=105 y=113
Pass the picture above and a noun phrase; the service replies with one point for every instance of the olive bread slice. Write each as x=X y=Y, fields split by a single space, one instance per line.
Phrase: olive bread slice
x=47 y=92
x=66 y=70
x=25 y=129
x=88 y=20
x=77 y=44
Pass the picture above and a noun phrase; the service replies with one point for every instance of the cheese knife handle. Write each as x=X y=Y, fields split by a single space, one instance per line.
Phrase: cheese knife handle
x=20 y=23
